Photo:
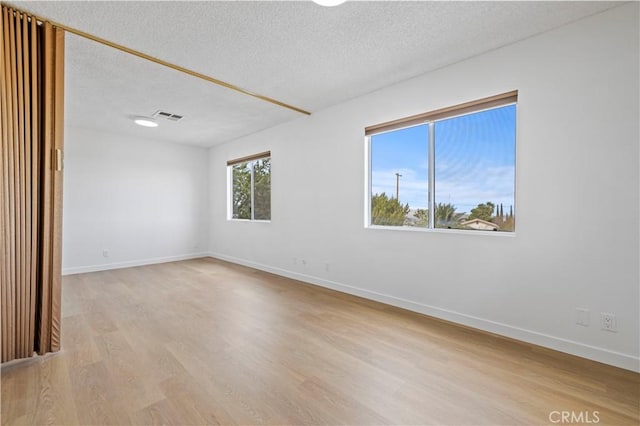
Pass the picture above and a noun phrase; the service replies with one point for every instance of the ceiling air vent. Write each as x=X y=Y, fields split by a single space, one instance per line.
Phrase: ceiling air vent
x=168 y=116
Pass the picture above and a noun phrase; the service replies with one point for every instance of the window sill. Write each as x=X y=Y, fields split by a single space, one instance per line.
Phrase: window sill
x=441 y=231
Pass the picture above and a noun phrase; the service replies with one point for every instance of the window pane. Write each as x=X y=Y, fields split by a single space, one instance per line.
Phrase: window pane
x=241 y=191
x=475 y=170
x=399 y=177
x=262 y=189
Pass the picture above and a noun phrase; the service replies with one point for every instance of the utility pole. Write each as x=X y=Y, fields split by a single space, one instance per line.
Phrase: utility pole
x=398 y=176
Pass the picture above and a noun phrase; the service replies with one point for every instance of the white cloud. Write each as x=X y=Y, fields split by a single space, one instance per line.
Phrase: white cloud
x=465 y=191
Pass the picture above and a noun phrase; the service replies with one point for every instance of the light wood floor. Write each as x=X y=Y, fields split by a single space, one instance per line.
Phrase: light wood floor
x=208 y=342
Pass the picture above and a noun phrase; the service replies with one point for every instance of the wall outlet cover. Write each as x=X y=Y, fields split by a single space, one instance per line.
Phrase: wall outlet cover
x=608 y=322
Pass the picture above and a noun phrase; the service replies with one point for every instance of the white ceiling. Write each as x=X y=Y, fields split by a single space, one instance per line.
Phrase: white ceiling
x=294 y=51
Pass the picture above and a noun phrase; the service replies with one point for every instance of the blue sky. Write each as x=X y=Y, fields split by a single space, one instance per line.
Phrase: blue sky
x=475 y=161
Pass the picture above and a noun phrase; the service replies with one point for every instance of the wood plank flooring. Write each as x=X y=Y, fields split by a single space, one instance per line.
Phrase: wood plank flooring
x=208 y=342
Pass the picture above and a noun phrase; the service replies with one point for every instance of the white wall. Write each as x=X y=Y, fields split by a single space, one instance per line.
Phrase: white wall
x=577 y=150
x=144 y=201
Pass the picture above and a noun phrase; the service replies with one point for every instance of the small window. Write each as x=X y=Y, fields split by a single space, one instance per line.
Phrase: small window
x=250 y=187
x=453 y=168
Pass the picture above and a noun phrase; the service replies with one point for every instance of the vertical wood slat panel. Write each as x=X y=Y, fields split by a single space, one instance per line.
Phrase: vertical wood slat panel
x=56 y=211
x=44 y=323
x=32 y=83
x=4 y=190
x=35 y=179
x=28 y=212
x=20 y=194
x=17 y=136
x=53 y=104
x=12 y=207
x=9 y=235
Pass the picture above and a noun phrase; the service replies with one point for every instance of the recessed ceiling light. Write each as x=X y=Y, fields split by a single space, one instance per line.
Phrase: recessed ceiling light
x=329 y=3
x=145 y=121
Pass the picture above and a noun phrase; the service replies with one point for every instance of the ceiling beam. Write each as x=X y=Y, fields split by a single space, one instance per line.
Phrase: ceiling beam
x=165 y=63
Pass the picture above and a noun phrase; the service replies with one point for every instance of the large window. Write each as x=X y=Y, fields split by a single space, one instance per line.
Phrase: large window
x=453 y=168
x=250 y=187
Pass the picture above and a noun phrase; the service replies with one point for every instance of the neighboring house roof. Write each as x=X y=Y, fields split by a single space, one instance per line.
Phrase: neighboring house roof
x=479 y=224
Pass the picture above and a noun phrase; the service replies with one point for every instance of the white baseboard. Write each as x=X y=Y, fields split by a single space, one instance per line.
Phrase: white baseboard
x=130 y=263
x=582 y=350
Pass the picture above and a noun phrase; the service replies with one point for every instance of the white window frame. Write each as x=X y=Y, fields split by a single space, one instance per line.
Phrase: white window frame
x=422 y=119
x=248 y=159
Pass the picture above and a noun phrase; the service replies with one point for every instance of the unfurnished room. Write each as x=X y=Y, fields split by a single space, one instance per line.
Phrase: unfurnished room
x=320 y=212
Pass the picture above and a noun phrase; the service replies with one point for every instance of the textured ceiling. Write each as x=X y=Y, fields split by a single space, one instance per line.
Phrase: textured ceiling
x=294 y=51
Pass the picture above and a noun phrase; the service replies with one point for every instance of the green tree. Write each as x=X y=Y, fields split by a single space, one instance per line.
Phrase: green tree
x=509 y=223
x=446 y=215
x=242 y=188
x=387 y=211
x=422 y=216
x=482 y=211
x=241 y=191
x=262 y=189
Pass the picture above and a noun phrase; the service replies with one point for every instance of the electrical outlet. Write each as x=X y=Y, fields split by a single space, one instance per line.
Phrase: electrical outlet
x=608 y=322
x=582 y=317
x=295 y=260
x=326 y=267
x=105 y=253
